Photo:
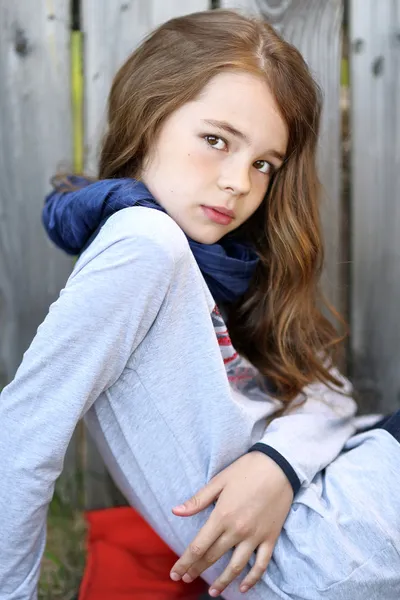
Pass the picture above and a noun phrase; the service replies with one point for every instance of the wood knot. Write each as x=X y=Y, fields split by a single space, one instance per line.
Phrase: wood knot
x=21 y=42
x=377 y=66
x=358 y=45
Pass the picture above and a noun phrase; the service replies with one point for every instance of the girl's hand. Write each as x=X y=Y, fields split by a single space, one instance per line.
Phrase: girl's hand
x=254 y=497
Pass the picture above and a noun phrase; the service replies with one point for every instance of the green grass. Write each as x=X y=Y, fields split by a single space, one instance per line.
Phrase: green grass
x=64 y=557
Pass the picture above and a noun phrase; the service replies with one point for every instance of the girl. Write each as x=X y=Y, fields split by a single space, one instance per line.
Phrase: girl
x=207 y=194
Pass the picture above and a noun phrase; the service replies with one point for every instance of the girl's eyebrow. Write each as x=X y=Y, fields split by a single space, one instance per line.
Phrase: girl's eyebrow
x=225 y=126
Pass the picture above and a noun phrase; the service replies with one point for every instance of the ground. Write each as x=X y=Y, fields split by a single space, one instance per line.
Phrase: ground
x=64 y=557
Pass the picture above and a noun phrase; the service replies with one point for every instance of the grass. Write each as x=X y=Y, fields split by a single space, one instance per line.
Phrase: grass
x=64 y=557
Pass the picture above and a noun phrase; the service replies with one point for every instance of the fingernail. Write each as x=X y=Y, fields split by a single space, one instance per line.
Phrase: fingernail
x=186 y=578
x=244 y=588
x=174 y=576
x=181 y=507
x=213 y=593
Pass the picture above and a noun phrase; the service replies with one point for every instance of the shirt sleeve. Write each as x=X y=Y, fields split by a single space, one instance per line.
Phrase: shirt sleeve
x=106 y=308
x=309 y=436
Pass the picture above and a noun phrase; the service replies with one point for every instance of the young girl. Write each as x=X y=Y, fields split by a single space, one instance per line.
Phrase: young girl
x=207 y=195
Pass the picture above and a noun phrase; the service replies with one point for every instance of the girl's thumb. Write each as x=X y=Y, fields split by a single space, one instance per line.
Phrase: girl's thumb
x=204 y=497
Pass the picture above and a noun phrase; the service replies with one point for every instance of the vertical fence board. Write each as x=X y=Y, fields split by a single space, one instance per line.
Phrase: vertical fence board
x=314 y=27
x=375 y=123
x=35 y=139
x=112 y=31
x=35 y=125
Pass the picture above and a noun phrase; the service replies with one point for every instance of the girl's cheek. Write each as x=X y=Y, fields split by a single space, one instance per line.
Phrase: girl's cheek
x=202 y=161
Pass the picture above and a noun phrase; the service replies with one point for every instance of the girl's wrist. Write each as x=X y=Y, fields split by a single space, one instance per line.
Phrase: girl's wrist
x=281 y=461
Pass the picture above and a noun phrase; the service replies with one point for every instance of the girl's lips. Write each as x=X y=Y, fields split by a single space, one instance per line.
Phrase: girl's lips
x=216 y=216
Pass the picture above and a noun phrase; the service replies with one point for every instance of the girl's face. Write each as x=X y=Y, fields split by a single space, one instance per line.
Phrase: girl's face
x=214 y=157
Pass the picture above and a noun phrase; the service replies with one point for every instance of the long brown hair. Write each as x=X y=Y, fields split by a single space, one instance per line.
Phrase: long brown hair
x=278 y=325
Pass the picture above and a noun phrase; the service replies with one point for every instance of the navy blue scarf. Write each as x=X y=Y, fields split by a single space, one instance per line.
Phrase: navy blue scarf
x=73 y=218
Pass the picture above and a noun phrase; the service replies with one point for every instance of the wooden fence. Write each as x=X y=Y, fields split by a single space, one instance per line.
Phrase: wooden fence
x=40 y=118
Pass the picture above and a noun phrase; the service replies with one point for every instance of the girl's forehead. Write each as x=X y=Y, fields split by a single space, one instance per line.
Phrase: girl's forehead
x=242 y=104
x=245 y=95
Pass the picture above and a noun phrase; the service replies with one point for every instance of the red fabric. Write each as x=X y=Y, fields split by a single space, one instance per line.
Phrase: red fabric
x=126 y=559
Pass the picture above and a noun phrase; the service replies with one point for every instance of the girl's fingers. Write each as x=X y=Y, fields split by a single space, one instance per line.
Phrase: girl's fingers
x=236 y=565
x=222 y=545
x=263 y=556
x=206 y=537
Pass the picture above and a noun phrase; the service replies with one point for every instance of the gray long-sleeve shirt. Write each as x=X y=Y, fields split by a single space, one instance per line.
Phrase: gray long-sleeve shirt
x=130 y=343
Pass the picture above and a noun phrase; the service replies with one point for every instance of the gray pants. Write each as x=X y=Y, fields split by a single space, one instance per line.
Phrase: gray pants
x=341 y=540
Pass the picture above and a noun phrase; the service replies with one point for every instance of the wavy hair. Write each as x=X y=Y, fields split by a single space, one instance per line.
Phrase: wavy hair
x=278 y=325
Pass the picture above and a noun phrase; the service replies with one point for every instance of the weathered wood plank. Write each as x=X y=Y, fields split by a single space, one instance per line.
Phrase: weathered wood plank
x=314 y=27
x=35 y=138
x=112 y=31
x=35 y=126
x=375 y=120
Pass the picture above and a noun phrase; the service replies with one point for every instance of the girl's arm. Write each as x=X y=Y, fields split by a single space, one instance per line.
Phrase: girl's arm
x=311 y=435
x=106 y=308
x=252 y=496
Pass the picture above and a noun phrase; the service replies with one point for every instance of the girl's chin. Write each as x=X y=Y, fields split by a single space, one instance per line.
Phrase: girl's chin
x=202 y=236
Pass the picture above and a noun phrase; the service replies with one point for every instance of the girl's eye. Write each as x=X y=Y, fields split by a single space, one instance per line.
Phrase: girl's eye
x=213 y=141
x=266 y=167
x=214 y=138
